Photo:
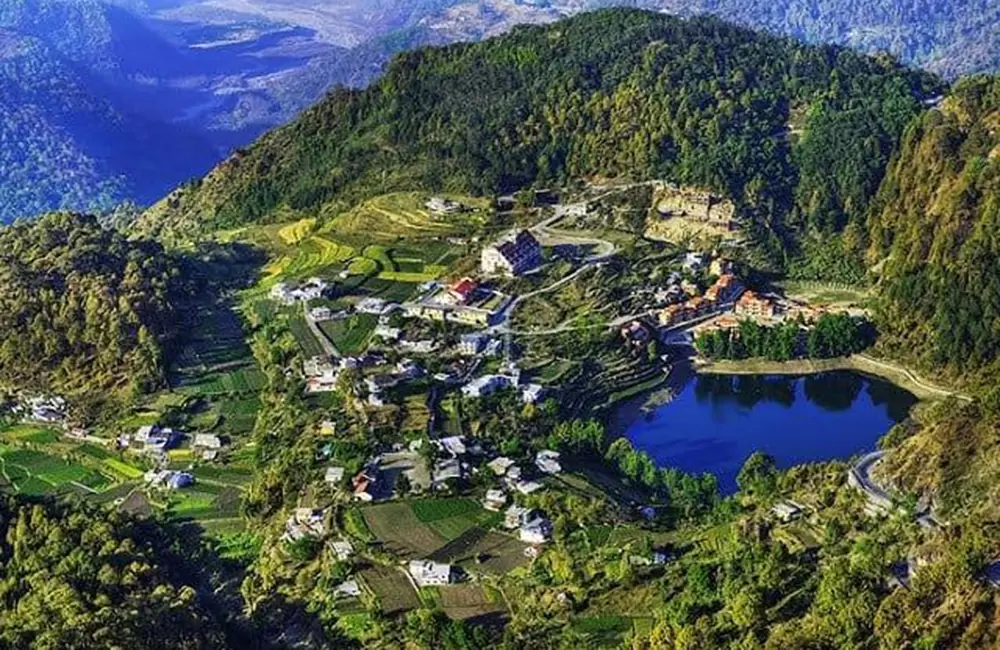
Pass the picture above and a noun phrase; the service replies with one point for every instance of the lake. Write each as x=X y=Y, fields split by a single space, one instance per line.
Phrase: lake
x=716 y=421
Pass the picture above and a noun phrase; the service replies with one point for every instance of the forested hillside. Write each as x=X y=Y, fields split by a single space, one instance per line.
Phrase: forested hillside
x=79 y=577
x=83 y=308
x=68 y=140
x=935 y=228
x=949 y=37
x=616 y=93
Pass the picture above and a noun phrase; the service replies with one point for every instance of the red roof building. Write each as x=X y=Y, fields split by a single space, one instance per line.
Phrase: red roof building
x=463 y=290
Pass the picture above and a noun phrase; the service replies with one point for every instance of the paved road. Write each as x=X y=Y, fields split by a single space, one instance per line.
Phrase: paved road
x=860 y=477
x=931 y=388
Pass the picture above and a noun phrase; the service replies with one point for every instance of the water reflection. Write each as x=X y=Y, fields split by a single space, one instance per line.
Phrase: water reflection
x=716 y=421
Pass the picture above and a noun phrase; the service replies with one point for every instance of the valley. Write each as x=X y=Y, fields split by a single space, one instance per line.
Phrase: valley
x=626 y=331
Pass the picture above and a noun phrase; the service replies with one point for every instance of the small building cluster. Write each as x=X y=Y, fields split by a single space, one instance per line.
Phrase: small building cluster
x=168 y=479
x=726 y=289
x=311 y=289
x=304 y=522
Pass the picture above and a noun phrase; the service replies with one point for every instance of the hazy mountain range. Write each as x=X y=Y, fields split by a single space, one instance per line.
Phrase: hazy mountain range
x=104 y=100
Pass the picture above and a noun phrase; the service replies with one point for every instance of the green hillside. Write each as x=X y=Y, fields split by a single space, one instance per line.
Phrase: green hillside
x=798 y=135
x=82 y=307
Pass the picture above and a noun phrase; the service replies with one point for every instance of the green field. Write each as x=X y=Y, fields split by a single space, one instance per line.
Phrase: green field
x=34 y=472
x=350 y=335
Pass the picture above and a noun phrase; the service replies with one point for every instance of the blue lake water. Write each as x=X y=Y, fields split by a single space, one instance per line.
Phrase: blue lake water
x=717 y=421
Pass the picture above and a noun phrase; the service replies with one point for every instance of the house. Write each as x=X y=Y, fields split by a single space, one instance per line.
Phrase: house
x=547 y=461
x=726 y=289
x=441 y=205
x=753 y=305
x=320 y=313
x=179 y=480
x=419 y=347
x=430 y=574
x=513 y=516
x=342 y=549
x=532 y=393
x=304 y=522
x=695 y=262
x=323 y=383
x=462 y=292
x=317 y=366
x=534 y=528
x=387 y=333
x=282 y=293
x=334 y=476
x=157 y=439
x=494 y=348
x=454 y=445
x=471 y=344
x=485 y=385
x=720 y=266
x=674 y=314
x=513 y=256
x=327 y=428
x=363 y=483
x=446 y=470
x=348 y=589
x=408 y=369
x=373 y=306
x=208 y=441
x=636 y=334
x=500 y=465
x=787 y=511
x=495 y=500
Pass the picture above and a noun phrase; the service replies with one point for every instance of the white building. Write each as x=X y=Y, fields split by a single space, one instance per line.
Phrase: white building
x=547 y=461
x=334 y=476
x=454 y=445
x=430 y=574
x=485 y=385
x=512 y=517
x=513 y=256
x=441 y=205
x=532 y=393
x=534 y=528
x=471 y=344
x=527 y=487
x=495 y=500
x=320 y=313
x=446 y=470
x=370 y=306
x=342 y=549
x=348 y=589
x=387 y=333
x=500 y=465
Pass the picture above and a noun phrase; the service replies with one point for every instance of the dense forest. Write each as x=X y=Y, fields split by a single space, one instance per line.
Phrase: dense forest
x=79 y=577
x=949 y=37
x=68 y=140
x=81 y=307
x=798 y=135
x=934 y=231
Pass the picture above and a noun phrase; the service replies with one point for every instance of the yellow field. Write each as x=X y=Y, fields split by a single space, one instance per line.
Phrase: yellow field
x=402 y=215
x=294 y=233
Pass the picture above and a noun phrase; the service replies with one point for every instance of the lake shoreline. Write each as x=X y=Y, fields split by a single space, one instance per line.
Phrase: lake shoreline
x=900 y=376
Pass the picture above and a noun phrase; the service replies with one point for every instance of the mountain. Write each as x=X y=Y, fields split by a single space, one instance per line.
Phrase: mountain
x=799 y=136
x=934 y=233
x=68 y=139
x=164 y=89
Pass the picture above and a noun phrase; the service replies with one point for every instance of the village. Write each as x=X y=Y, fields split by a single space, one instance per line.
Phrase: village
x=437 y=501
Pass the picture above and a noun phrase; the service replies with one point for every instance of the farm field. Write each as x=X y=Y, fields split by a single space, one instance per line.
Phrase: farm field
x=37 y=473
x=469 y=601
x=350 y=335
x=426 y=527
x=392 y=588
x=500 y=553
